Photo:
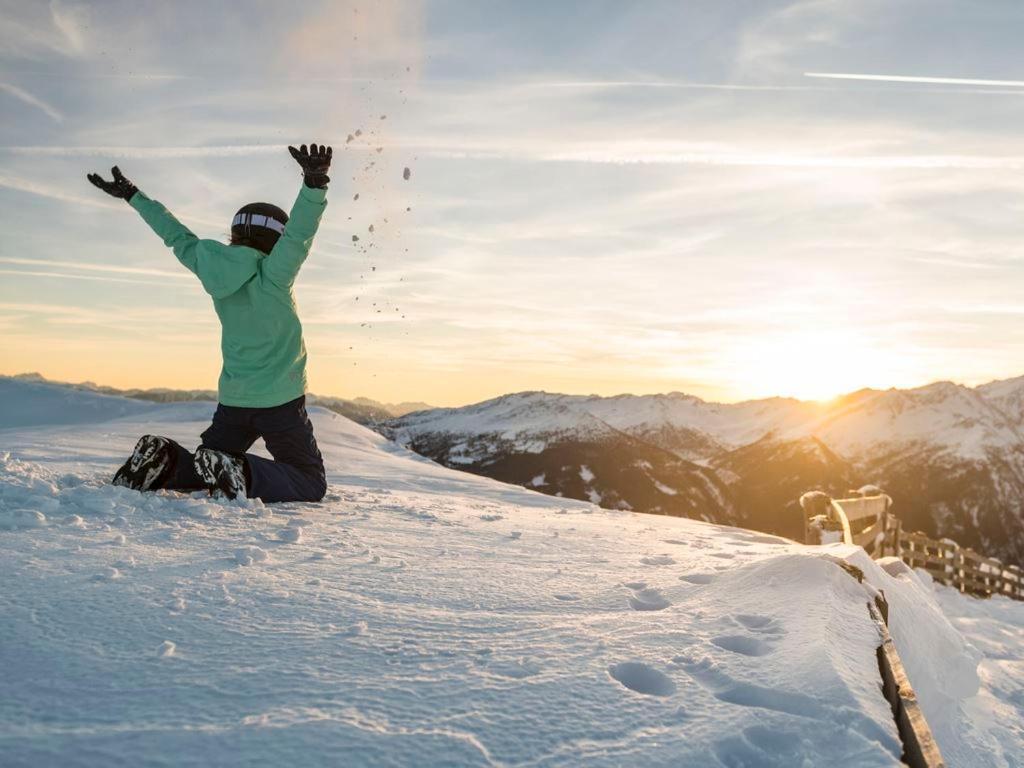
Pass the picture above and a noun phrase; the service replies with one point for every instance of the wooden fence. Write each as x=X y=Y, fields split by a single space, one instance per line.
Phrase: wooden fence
x=867 y=521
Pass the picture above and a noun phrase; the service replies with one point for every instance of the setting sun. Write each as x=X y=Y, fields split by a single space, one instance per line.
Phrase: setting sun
x=813 y=364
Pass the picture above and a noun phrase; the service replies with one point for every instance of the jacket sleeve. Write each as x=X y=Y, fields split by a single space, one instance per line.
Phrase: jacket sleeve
x=287 y=255
x=175 y=235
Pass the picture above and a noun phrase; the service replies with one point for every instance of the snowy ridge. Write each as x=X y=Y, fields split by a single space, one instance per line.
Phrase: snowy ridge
x=961 y=420
x=952 y=456
x=428 y=617
x=958 y=418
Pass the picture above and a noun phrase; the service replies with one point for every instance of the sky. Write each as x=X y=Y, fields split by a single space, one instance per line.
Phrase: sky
x=604 y=197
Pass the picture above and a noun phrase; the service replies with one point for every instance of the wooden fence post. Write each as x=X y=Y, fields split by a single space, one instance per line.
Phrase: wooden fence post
x=1016 y=591
x=866 y=521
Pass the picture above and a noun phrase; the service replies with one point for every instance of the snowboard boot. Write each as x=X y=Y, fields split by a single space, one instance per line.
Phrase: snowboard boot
x=149 y=466
x=223 y=473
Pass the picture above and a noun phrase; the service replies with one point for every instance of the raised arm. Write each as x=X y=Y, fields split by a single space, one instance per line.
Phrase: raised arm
x=291 y=250
x=175 y=235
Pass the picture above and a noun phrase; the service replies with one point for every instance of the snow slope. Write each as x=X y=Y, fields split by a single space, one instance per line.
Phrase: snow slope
x=29 y=403
x=996 y=628
x=422 y=616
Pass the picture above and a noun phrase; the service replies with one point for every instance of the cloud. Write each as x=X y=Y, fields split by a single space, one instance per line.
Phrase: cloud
x=73 y=276
x=626 y=152
x=227 y=150
x=89 y=267
x=600 y=217
x=349 y=38
x=56 y=193
x=34 y=101
x=36 y=30
x=71 y=21
x=670 y=84
x=916 y=79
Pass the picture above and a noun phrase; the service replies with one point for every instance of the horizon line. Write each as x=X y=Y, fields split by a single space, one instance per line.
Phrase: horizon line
x=36 y=377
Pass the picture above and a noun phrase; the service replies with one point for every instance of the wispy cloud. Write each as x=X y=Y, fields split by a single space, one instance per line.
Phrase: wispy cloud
x=71 y=21
x=669 y=84
x=73 y=276
x=233 y=150
x=33 y=101
x=602 y=218
x=916 y=79
x=56 y=193
x=39 y=30
x=641 y=152
x=91 y=267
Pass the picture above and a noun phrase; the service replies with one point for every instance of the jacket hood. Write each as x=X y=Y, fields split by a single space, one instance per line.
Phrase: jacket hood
x=224 y=271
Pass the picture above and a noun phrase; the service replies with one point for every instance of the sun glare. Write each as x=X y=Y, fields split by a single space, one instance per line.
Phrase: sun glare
x=813 y=364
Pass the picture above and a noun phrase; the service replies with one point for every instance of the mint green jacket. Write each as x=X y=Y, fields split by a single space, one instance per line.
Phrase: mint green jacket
x=261 y=336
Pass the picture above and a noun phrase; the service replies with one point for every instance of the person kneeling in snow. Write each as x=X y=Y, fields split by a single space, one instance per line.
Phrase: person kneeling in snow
x=262 y=385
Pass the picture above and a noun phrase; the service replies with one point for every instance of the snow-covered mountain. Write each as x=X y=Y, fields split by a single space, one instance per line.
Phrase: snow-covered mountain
x=951 y=456
x=426 y=617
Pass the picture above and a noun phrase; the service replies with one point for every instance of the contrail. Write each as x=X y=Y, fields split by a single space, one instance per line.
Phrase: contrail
x=609 y=84
x=32 y=100
x=915 y=79
x=78 y=265
x=146 y=152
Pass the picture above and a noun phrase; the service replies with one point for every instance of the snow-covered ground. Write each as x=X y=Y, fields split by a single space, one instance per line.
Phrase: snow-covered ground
x=422 y=616
x=996 y=628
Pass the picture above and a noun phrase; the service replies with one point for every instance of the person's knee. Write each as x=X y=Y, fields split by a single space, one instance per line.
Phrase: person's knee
x=315 y=484
x=319 y=489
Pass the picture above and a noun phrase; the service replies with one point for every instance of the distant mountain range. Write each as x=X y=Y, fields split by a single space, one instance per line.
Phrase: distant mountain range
x=361 y=409
x=952 y=457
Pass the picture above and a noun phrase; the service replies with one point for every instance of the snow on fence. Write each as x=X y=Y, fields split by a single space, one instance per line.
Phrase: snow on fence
x=865 y=519
x=919 y=747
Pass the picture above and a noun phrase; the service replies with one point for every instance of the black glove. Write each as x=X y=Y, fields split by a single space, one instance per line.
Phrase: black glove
x=314 y=161
x=119 y=187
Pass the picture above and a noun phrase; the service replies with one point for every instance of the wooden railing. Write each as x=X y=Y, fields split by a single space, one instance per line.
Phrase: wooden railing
x=867 y=521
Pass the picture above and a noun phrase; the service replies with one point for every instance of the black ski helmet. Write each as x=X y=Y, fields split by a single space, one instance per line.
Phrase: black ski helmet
x=258 y=225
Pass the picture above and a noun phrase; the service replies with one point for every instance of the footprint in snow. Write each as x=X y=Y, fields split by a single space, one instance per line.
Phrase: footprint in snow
x=705 y=670
x=648 y=599
x=758 y=745
x=491 y=518
x=758 y=623
x=745 y=645
x=642 y=678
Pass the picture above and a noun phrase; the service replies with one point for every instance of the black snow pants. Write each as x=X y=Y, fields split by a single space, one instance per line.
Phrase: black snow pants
x=295 y=474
